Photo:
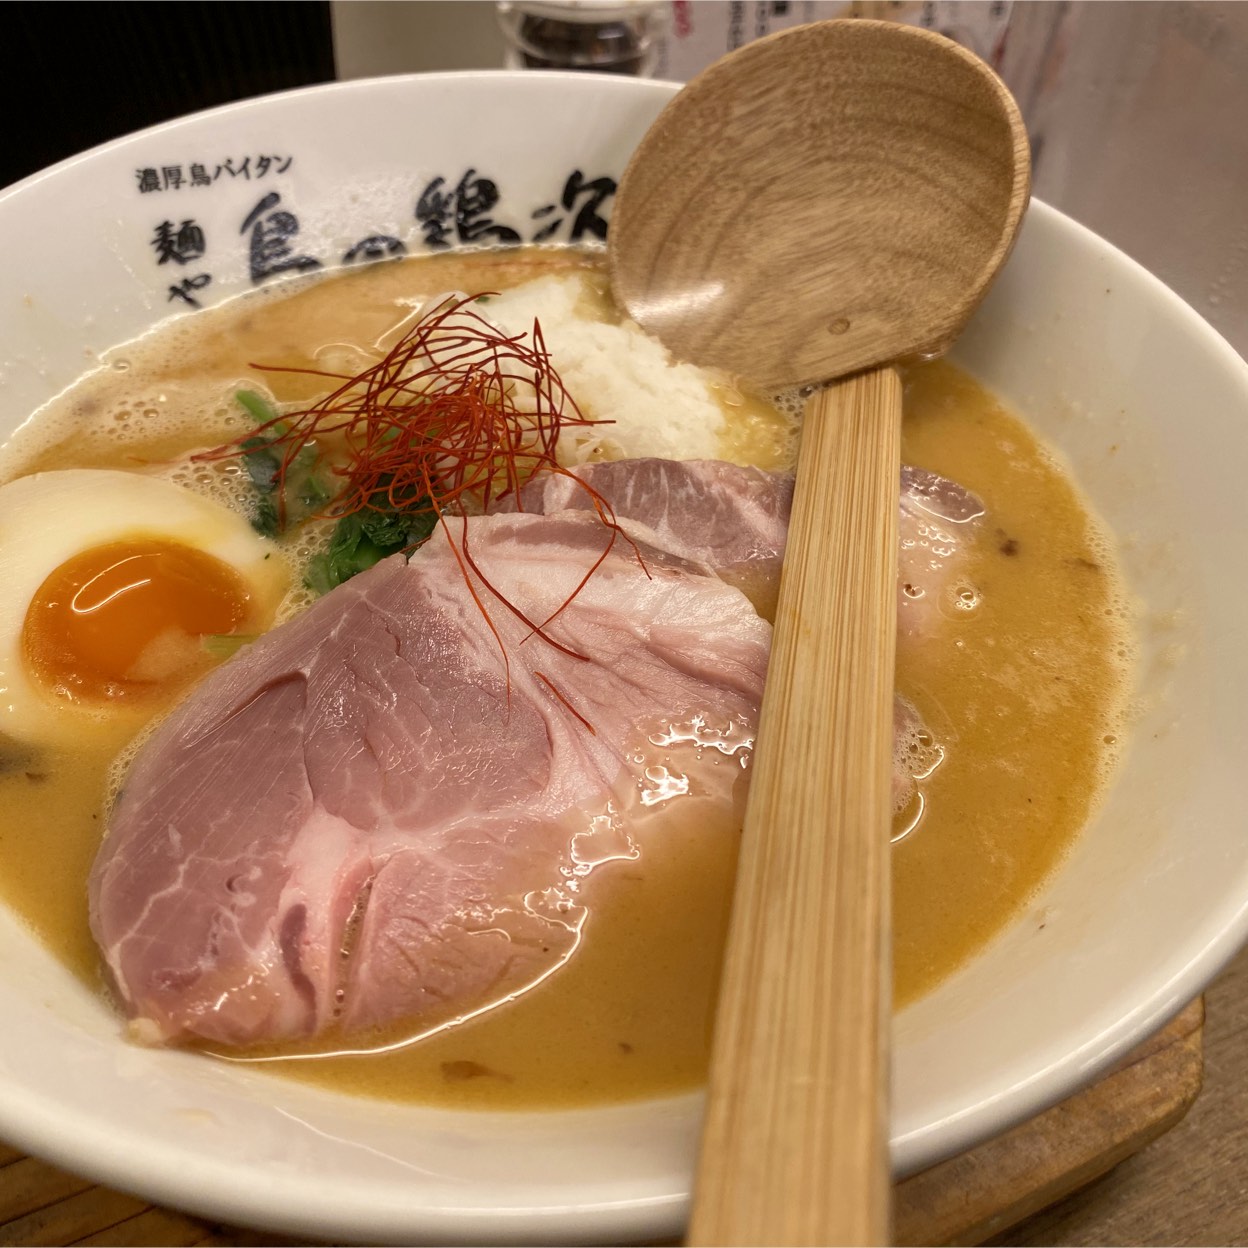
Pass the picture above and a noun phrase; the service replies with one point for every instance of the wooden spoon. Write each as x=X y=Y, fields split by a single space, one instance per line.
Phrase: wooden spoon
x=825 y=201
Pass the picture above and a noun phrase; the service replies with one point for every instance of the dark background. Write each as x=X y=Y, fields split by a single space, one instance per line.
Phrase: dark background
x=78 y=74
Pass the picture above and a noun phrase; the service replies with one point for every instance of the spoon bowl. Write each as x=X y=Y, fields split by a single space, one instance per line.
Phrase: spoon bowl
x=825 y=201
x=828 y=199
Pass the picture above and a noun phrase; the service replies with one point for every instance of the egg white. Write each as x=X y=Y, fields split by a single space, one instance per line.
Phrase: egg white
x=49 y=517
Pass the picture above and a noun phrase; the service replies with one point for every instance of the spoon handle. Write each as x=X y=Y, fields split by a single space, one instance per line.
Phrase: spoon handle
x=795 y=1141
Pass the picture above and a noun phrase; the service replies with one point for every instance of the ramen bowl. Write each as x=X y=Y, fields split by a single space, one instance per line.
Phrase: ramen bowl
x=1148 y=406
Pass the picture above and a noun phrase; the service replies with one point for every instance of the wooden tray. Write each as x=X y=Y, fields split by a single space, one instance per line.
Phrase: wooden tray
x=965 y=1200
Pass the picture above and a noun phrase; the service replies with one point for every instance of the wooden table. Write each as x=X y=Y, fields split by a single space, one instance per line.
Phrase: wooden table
x=1189 y=1186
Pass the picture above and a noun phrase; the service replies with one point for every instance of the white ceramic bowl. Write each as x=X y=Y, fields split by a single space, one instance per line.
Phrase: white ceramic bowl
x=1147 y=403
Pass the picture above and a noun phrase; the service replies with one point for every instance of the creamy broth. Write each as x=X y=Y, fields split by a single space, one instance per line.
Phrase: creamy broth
x=1023 y=691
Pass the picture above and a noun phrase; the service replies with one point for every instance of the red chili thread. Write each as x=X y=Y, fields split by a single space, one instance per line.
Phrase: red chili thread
x=550 y=684
x=437 y=417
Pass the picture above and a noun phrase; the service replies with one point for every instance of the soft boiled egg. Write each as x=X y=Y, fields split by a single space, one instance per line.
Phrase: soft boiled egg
x=109 y=584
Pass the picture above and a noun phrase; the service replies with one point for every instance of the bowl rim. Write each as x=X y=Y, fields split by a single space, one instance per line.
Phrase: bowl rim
x=623 y=84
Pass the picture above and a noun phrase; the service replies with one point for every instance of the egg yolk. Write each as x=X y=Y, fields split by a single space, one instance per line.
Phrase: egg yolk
x=128 y=618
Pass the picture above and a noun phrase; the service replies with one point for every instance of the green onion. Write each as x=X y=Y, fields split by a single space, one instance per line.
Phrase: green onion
x=223 y=645
x=306 y=490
